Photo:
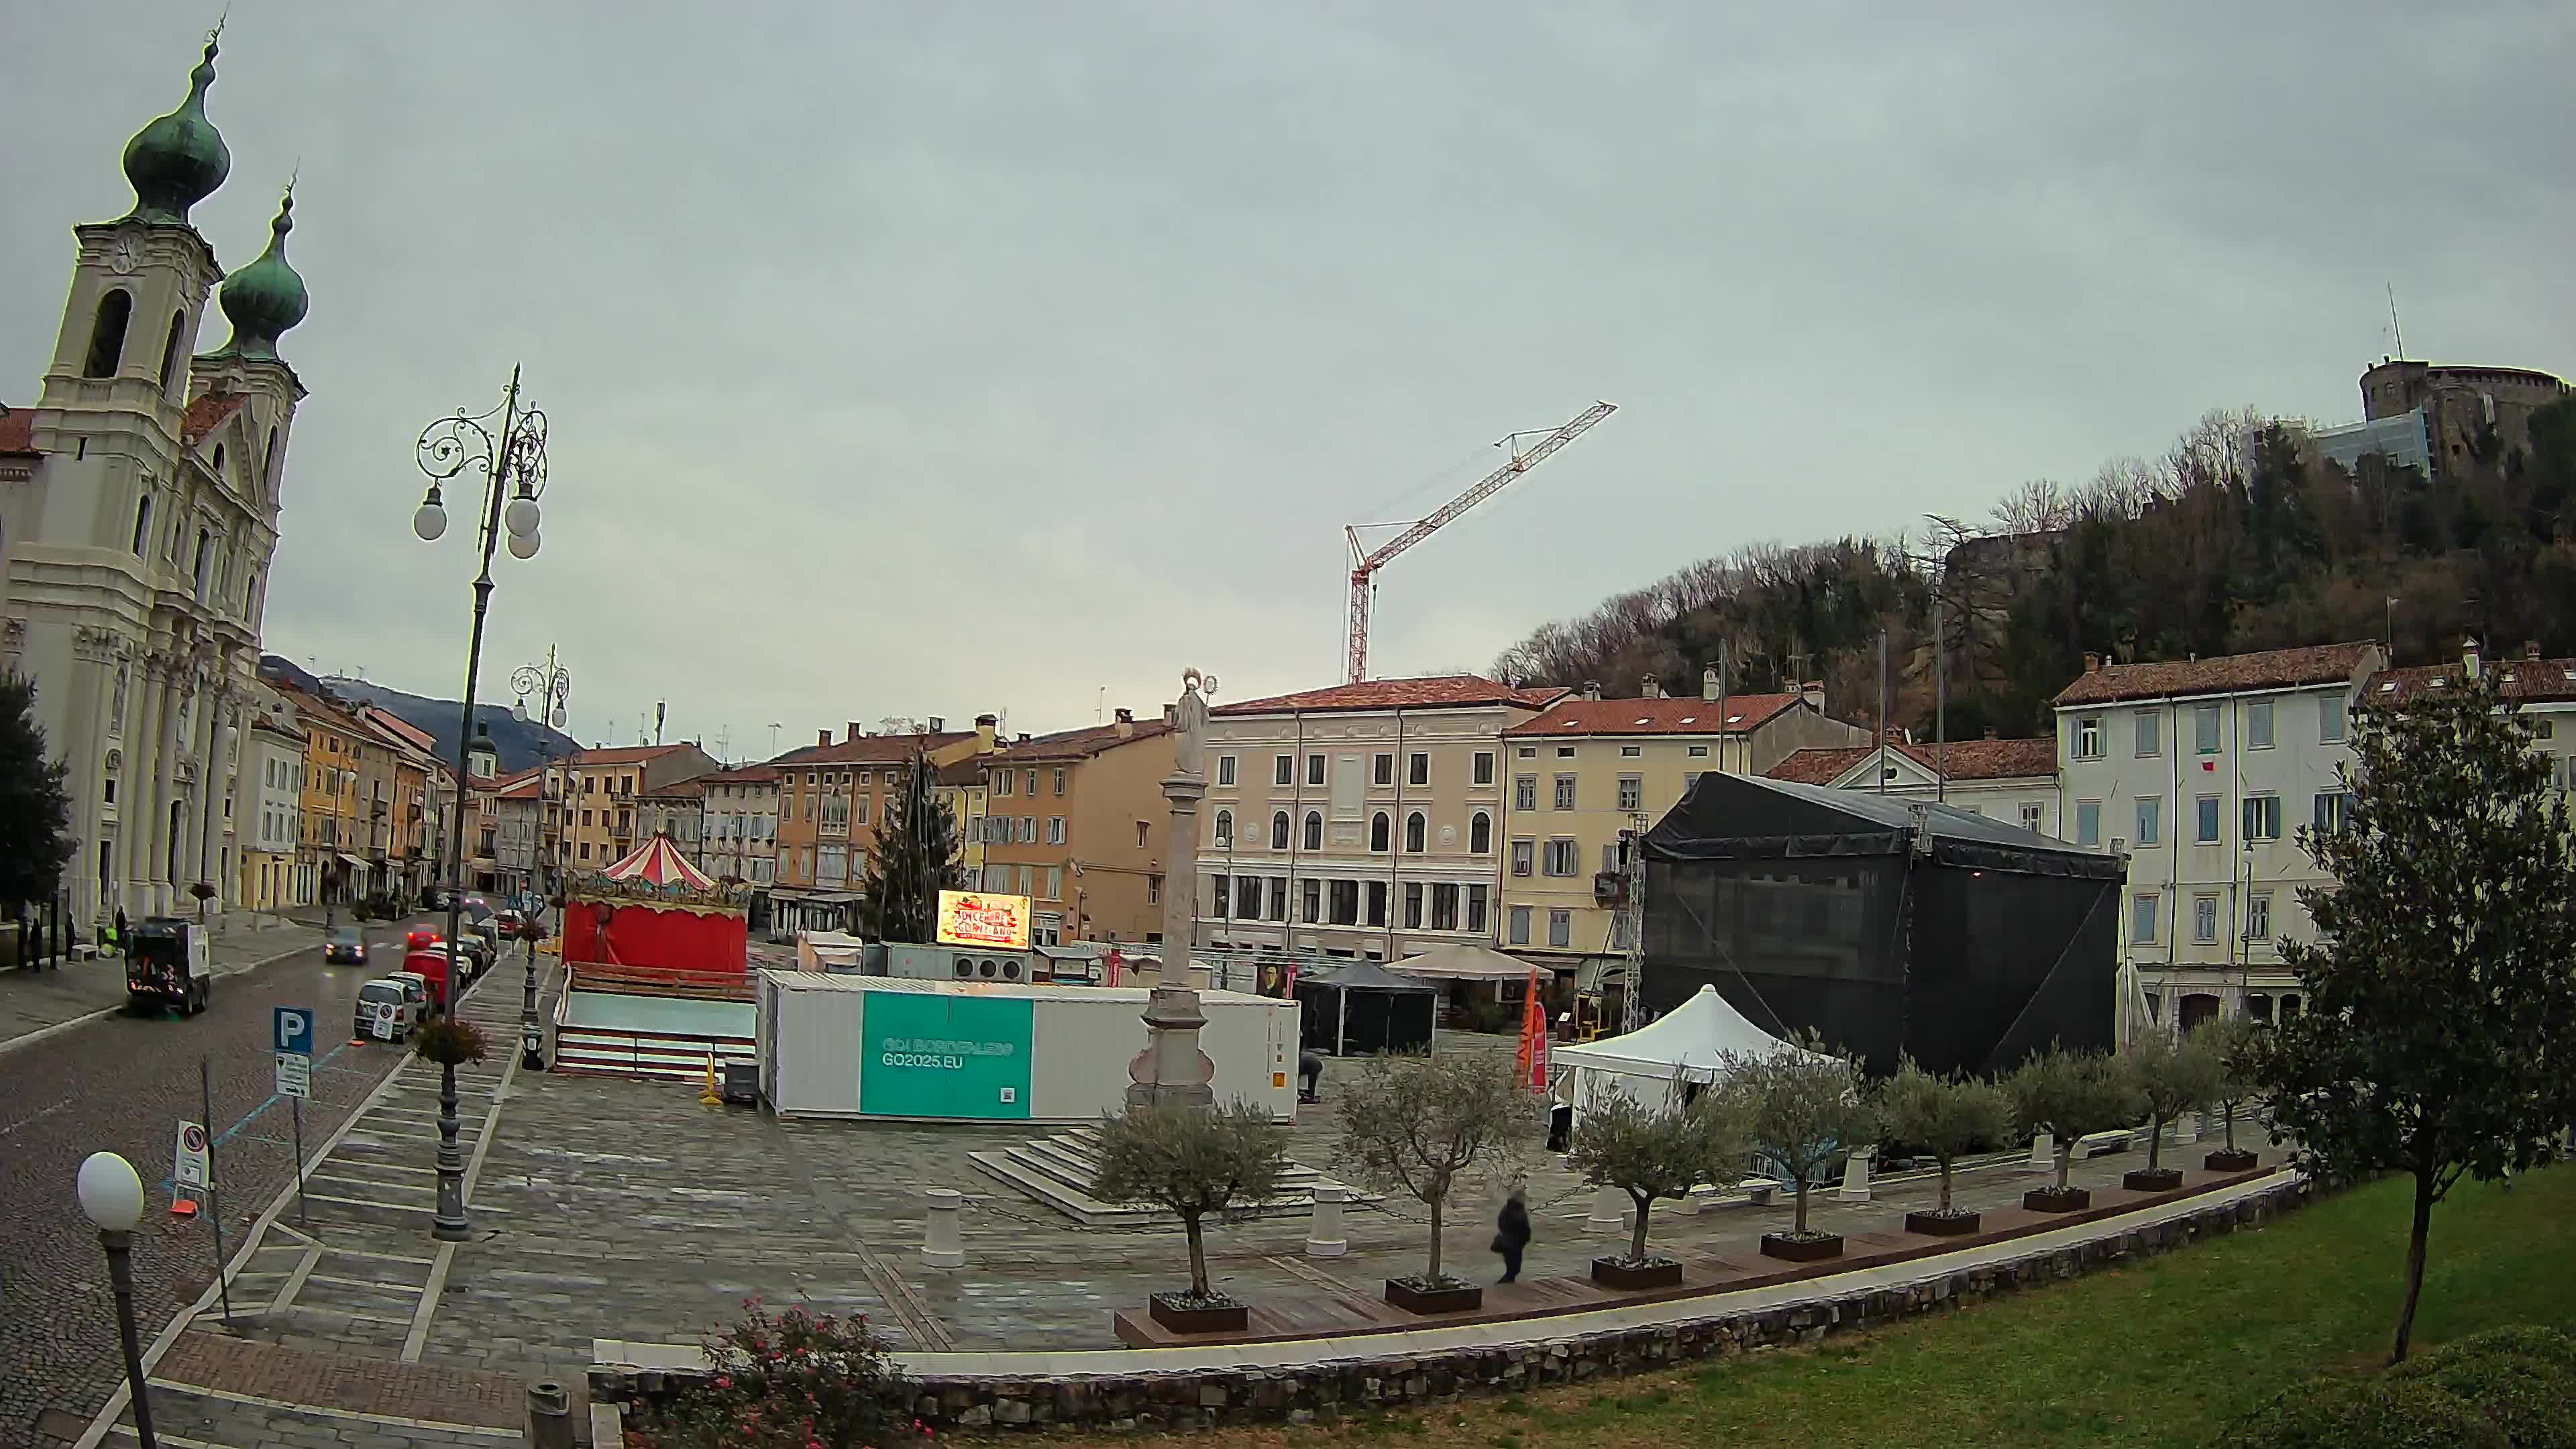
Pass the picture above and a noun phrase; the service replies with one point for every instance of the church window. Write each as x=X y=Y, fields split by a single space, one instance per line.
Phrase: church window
x=219 y=461
x=205 y=557
x=107 y=334
x=269 y=460
x=142 y=523
x=170 y=351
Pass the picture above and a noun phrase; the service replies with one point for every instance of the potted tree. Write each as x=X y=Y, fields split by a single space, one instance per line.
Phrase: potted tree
x=1805 y=1110
x=1651 y=1155
x=1418 y=1125
x=1945 y=1118
x=2233 y=1043
x=204 y=891
x=2068 y=1095
x=2171 y=1073
x=1192 y=1161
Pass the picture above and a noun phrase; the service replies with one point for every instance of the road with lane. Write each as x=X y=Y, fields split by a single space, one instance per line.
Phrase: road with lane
x=124 y=1083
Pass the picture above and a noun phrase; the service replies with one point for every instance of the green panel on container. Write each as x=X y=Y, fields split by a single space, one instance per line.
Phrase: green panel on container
x=945 y=1056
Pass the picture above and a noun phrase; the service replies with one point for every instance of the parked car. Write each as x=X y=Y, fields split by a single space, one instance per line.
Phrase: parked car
x=347 y=947
x=388 y=1008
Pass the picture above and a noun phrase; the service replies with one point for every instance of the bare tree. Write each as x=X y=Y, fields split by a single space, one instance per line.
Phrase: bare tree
x=1417 y=1125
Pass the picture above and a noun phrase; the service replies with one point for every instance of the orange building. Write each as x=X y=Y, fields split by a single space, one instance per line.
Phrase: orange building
x=1077 y=822
x=599 y=790
x=831 y=799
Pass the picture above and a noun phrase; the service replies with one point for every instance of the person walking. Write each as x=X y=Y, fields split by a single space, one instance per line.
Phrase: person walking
x=1512 y=1233
x=120 y=928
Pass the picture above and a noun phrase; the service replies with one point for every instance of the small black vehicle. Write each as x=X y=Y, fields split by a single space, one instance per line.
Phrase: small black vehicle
x=168 y=966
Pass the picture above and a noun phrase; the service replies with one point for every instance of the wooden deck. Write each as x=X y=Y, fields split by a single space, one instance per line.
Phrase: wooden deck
x=1346 y=1314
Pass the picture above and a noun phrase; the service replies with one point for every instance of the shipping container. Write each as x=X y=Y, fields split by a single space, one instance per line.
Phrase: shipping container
x=972 y=1051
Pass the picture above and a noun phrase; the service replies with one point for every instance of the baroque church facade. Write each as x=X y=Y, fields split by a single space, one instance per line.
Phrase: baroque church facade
x=139 y=503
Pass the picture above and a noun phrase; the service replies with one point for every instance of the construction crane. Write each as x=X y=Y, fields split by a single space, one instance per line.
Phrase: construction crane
x=1365 y=561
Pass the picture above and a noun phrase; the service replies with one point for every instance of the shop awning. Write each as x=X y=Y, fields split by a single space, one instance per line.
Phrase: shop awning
x=1466 y=961
x=354 y=862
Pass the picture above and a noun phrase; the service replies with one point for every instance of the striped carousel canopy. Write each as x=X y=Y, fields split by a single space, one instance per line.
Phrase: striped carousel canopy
x=659 y=864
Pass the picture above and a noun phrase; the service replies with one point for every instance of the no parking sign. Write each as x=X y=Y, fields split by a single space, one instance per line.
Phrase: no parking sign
x=188 y=1168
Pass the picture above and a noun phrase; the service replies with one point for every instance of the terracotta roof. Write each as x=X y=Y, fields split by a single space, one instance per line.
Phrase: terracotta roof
x=871 y=749
x=692 y=788
x=400 y=728
x=2544 y=680
x=336 y=715
x=18 y=430
x=2227 y=674
x=522 y=787
x=1960 y=760
x=1446 y=691
x=1654 y=716
x=1079 y=744
x=623 y=755
x=747 y=775
x=968 y=771
x=208 y=413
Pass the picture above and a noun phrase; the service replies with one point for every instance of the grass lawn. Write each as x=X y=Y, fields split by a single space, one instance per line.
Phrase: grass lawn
x=2156 y=1354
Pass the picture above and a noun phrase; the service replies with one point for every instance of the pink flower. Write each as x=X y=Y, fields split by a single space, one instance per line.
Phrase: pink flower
x=724 y=1381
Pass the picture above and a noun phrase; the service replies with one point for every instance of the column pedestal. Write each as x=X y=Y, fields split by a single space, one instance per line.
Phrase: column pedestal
x=1324 y=1237
x=940 y=1245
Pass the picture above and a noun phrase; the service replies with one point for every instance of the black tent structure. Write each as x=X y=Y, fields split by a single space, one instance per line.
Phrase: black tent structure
x=1361 y=1008
x=1885 y=925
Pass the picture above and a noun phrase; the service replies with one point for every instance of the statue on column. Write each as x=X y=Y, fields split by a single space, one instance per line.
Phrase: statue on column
x=1189 y=723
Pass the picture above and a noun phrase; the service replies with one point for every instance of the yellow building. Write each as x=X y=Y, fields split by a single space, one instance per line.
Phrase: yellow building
x=328 y=863
x=600 y=787
x=1584 y=770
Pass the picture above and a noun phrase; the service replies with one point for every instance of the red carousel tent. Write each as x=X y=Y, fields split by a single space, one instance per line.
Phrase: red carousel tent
x=659 y=863
x=655 y=913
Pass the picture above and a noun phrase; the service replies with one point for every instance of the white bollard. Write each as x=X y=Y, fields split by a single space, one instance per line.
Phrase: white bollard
x=2043 y=1153
x=1324 y=1238
x=2186 y=1129
x=1609 y=1210
x=940 y=1245
x=1855 y=1186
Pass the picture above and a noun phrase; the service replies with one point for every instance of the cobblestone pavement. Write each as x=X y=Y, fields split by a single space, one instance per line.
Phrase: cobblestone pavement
x=124 y=1083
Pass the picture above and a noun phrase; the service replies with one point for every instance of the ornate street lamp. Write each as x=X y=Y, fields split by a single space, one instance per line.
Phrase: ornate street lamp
x=111 y=1197
x=513 y=465
x=552 y=685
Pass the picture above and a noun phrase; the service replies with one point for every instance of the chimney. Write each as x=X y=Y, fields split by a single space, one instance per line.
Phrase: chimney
x=1654 y=688
x=822 y=737
x=1592 y=689
x=1708 y=685
x=985 y=727
x=2092 y=663
x=2531 y=649
x=1023 y=739
x=1813 y=693
x=2469 y=658
x=1126 y=720
x=938 y=725
x=855 y=731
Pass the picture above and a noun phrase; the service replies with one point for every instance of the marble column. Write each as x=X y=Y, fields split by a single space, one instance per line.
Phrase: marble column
x=134 y=791
x=166 y=745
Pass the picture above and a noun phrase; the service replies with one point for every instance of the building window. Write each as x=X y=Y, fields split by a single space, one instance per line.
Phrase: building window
x=2262 y=817
x=1480 y=833
x=1444 y=906
x=107 y=333
x=2088 y=822
x=1632 y=793
x=1279 y=830
x=1698 y=752
x=1483 y=773
x=2151 y=819
x=1417 y=768
x=2258 y=725
x=1560 y=859
x=1378 y=832
x=1279 y=899
x=2204 y=920
x=2150 y=728
x=1377 y=903
x=2258 y=916
x=1055 y=883
x=1225 y=830
x=1525 y=792
x=1059 y=779
x=1382 y=769
x=1028 y=830
x=1623 y=931
x=1055 y=830
x=1413 y=905
x=1247 y=897
x=1565 y=752
x=1029 y=783
x=2032 y=813
x=142 y=523
x=1314 y=830
x=1284 y=770
x=2204 y=729
x=1314 y=769
x=1523 y=852
x=1517 y=930
x=1345 y=903
x=1415 y=828
x=1476 y=908
x=1225 y=769
x=2088 y=738
x=2332 y=808
x=1565 y=792
x=2330 y=721
x=2142 y=919
x=2205 y=820
x=1002 y=782
x=1560 y=928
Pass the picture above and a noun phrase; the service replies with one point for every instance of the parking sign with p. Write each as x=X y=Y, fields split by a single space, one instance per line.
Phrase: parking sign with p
x=294 y=1031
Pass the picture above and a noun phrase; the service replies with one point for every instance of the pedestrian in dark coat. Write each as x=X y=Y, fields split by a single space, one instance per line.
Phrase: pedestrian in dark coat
x=120 y=930
x=1512 y=1234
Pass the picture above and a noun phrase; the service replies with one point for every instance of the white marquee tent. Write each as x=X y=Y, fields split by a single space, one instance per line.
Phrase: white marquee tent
x=1657 y=1064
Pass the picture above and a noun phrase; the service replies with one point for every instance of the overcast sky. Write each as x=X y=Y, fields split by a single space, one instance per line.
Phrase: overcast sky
x=930 y=359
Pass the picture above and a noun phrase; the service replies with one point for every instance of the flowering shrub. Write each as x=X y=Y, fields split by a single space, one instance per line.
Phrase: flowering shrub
x=791 y=1380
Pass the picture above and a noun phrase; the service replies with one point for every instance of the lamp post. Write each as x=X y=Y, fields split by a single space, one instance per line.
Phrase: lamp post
x=111 y=1197
x=552 y=685
x=513 y=465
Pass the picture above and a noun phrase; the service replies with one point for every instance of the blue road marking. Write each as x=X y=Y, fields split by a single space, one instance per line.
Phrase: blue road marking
x=273 y=1099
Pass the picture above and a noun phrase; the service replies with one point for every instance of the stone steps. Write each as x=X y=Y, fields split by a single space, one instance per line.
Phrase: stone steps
x=1058 y=1171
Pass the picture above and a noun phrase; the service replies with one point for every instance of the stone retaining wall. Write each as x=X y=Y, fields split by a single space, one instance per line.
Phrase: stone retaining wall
x=1304 y=1394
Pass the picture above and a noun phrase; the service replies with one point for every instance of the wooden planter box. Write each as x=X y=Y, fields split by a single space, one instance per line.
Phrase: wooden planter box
x=1937 y=1225
x=1795 y=1250
x=1634 y=1277
x=2225 y=1161
x=2152 y=1179
x=2050 y=1200
x=1198 y=1318
x=1434 y=1300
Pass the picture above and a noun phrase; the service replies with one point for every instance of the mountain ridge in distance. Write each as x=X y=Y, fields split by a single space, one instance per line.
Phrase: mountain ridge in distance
x=519 y=743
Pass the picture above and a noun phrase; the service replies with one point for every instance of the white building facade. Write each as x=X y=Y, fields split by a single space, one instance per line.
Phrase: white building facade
x=2201 y=773
x=742 y=825
x=270 y=812
x=138 y=514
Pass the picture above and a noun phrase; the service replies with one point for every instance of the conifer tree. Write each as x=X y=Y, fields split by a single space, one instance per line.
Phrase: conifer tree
x=35 y=810
x=914 y=859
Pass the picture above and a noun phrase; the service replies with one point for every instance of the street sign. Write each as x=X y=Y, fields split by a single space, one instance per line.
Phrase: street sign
x=294 y=1031
x=381 y=1025
x=294 y=1075
x=190 y=1169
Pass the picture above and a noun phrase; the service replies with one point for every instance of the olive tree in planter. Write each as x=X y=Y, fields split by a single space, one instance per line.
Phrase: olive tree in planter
x=1945 y=1118
x=1192 y=1161
x=1652 y=1154
x=1804 y=1111
x=2171 y=1073
x=2069 y=1095
x=2232 y=1043
x=1418 y=1126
